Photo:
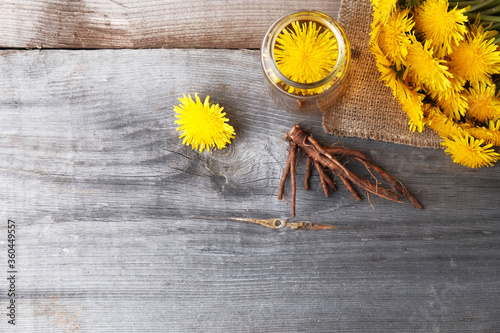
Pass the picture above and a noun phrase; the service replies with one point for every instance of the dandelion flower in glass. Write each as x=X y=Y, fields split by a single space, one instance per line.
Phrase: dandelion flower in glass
x=306 y=52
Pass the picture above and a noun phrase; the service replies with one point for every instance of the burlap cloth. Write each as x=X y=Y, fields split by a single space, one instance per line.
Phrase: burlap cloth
x=367 y=109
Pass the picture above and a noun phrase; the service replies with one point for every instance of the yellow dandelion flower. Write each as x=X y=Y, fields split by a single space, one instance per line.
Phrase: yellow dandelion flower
x=394 y=38
x=468 y=151
x=426 y=70
x=202 y=125
x=306 y=52
x=382 y=10
x=409 y=99
x=442 y=124
x=454 y=104
x=478 y=27
x=374 y=33
x=400 y=89
x=476 y=58
x=444 y=28
x=483 y=103
x=413 y=106
x=490 y=134
x=452 y=101
x=388 y=75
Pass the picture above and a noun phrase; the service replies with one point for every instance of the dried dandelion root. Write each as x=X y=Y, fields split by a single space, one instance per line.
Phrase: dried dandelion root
x=328 y=158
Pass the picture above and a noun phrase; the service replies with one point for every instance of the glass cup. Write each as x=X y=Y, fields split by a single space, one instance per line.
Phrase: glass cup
x=312 y=97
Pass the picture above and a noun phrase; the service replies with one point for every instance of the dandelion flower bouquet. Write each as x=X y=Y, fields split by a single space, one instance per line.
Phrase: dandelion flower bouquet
x=441 y=61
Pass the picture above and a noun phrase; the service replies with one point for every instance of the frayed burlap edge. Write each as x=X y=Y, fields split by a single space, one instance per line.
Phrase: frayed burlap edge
x=367 y=108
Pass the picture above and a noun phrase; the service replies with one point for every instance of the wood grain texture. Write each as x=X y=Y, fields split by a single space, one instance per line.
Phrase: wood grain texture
x=121 y=228
x=144 y=24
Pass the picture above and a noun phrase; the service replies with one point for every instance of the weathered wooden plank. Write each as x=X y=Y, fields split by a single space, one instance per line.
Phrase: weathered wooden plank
x=88 y=121
x=144 y=24
x=121 y=228
x=172 y=275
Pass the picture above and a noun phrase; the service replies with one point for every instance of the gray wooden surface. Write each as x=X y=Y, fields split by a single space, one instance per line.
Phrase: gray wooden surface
x=120 y=228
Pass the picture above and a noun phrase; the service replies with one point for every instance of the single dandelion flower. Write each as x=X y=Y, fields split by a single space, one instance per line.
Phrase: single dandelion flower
x=306 y=52
x=483 y=103
x=444 y=28
x=413 y=106
x=427 y=71
x=476 y=58
x=442 y=124
x=202 y=125
x=490 y=134
x=382 y=10
x=478 y=27
x=384 y=65
x=394 y=39
x=454 y=104
x=388 y=74
x=470 y=152
x=400 y=89
x=453 y=101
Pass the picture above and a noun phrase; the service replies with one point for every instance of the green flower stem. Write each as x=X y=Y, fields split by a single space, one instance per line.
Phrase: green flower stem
x=482 y=5
x=462 y=4
x=475 y=4
x=484 y=18
x=491 y=11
